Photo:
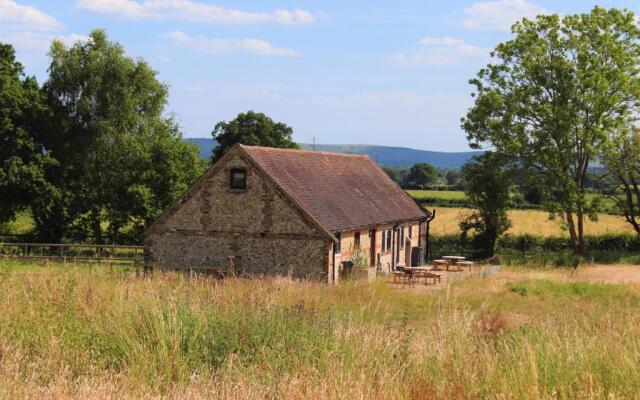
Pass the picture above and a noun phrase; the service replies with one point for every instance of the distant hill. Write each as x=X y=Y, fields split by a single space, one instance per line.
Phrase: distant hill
x=387 y=156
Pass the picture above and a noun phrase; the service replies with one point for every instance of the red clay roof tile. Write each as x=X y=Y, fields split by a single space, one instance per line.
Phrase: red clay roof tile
x=340 y=191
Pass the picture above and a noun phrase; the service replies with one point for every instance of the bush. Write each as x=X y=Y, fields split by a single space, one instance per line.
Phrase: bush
x=518 y=245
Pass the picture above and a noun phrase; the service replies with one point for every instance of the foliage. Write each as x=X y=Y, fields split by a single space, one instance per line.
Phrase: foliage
x=22 y=161
x=622 y=161
x=119 y=162
x=557 y=92
x=542 y=250
x=452 y=177
x=487 y=180
x=423 y=174
x=251 y=128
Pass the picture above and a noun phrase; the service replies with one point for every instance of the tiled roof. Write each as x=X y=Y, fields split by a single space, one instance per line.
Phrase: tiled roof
x=340 y=191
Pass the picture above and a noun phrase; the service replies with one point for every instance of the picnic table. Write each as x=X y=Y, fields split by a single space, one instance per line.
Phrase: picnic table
x=452 y=261
x=411 y=275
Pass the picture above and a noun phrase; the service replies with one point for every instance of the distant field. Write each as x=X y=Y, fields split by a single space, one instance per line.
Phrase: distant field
x=534 y=222
x=458 y=196
x=437 y=194
x=21 y=225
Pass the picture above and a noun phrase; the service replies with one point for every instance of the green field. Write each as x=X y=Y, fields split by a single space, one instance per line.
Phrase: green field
x=437 y=194
x=521 y=334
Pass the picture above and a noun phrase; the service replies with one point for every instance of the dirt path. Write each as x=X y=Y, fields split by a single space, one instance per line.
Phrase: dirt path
x=609 y=273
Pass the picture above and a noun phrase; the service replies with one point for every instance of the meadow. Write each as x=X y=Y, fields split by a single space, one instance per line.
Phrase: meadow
x=530 y=334
x=533 y=222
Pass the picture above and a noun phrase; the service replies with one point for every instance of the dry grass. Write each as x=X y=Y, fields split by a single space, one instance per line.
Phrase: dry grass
x=520 y=334
x=532 y=222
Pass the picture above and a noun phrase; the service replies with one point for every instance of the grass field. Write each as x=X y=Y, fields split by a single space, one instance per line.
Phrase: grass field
x=437 y=194
x=520 y=334
x=533 y=222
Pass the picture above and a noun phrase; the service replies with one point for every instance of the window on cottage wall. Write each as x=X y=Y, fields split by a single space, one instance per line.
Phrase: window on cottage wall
x=410 y=231
x=238 y=179
x=383 y=243
x=389 y=233
x=338 y=243
x=356 y=240
x=401 y=239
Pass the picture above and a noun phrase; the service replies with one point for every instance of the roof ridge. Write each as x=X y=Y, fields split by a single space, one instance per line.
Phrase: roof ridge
x=279 y=149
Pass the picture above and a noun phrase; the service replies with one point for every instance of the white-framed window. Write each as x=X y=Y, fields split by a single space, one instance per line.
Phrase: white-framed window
x=389 y=237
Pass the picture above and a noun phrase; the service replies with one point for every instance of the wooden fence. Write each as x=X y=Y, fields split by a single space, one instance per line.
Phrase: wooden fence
x=103 y=254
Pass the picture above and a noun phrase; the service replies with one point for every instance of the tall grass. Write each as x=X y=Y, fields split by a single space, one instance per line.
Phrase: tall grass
x=74 y=334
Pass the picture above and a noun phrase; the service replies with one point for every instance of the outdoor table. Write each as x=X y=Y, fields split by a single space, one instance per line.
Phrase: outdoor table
x=423 y=272
x=454 y=260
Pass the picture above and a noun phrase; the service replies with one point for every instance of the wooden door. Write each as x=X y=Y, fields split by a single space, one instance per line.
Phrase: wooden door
x=372 y=247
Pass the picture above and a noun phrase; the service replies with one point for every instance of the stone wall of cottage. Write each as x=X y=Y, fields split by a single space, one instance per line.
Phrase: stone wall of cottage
x=256 y=231
x=349 y=251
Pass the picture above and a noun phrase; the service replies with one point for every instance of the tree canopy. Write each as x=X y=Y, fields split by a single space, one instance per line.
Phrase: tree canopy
x=22 y=161
x=487 y=181
x=423 y=174
x=553 y=97
x=254 y=129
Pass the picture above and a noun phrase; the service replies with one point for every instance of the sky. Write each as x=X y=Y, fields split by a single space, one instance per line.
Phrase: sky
x=341 y=72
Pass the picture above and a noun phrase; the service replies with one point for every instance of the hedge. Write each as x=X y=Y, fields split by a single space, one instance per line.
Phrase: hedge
x=531 y=244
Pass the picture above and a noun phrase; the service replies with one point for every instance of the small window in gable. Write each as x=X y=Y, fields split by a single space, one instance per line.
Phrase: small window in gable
x=238 y=179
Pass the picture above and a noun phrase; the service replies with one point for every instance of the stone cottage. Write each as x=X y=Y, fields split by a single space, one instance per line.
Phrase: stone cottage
x=306 y=214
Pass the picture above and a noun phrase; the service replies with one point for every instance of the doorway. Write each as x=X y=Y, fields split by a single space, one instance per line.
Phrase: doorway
x=372 y=248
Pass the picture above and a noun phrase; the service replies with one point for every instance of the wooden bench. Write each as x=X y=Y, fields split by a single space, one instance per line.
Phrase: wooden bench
x=439 y=264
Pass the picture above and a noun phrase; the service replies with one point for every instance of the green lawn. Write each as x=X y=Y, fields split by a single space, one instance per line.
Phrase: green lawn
x=69 y=333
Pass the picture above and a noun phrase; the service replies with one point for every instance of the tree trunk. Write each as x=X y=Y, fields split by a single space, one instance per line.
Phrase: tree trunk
x=582 y=248
x=573 y=236
x=97 y=228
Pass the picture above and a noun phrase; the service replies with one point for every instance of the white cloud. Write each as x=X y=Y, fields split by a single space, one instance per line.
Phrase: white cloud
x=192 y=11
x=14 y=15
x=228 y=46
x=38 y=41
x=437 y=51
x=499 y=15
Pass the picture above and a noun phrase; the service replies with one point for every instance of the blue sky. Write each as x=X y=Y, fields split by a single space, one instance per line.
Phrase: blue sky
x=370 y=72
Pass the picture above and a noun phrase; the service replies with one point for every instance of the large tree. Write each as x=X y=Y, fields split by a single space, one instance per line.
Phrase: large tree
x=423 y=174
x=22 y=159
x=251 y=128
x=487 y=181
x=120 y=161
x=553 y=96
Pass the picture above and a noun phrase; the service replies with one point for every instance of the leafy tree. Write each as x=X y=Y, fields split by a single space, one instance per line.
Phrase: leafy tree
x=487 y=181
x=22 y=161
x=622 y=161
x=423 y=174
x=557 y=91
x=119 y=161
x=452 y=177
x=254 y=129
x=393 y=173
